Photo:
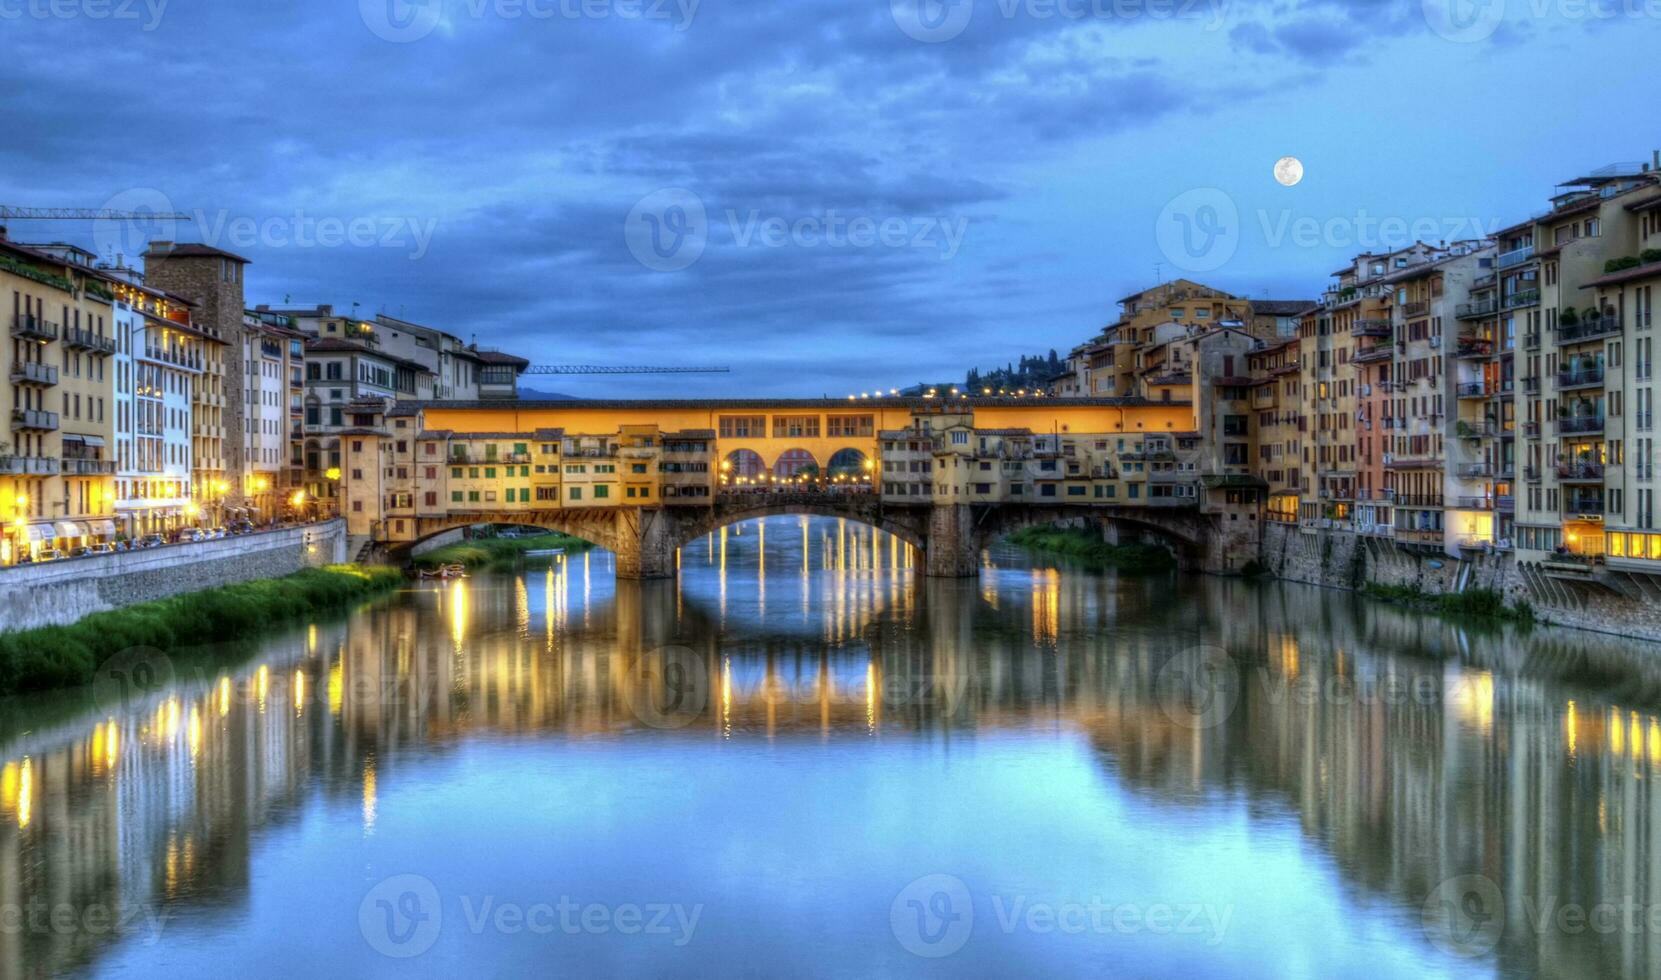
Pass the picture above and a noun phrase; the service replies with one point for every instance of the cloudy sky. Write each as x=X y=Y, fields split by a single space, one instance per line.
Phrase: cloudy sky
x=827 y=195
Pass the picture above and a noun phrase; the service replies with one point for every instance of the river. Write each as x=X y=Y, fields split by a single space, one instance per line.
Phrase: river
x=806 y=759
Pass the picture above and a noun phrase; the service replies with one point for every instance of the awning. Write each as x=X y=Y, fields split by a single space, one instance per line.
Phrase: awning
x=70 y=529
x=103 y=529
x=96 y=442
x=40 y=532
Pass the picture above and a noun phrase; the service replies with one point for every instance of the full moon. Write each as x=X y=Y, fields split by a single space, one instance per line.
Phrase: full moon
x=1288 y=170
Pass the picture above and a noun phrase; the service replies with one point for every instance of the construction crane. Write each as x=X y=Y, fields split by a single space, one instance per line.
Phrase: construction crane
x=8 y=213
x=568 y=369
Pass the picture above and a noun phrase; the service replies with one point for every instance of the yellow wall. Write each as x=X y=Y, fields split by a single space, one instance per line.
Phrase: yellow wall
x=1043 y=416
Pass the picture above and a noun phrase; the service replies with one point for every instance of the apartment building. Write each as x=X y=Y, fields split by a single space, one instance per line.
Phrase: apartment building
x=56 y=473
x=1578 y=281
x=273 y=366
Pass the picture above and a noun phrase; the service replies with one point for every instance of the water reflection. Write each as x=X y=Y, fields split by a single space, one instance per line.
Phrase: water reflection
x=1366 y=756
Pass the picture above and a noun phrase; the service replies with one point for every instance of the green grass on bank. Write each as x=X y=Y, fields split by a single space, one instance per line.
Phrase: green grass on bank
x=67 y=656
x=1472 y=604
x=1087 y=547
x=483 y=553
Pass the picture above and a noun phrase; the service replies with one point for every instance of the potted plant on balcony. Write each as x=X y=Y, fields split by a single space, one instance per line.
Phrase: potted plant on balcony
x=1568 y=318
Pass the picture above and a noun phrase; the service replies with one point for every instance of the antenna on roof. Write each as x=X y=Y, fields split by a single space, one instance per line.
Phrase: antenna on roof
x=1159 y=273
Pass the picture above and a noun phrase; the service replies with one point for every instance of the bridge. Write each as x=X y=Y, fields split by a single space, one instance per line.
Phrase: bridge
x=950 y=538
x=947 y=476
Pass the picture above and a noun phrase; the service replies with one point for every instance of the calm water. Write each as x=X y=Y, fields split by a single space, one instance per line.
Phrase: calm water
x=807 y=760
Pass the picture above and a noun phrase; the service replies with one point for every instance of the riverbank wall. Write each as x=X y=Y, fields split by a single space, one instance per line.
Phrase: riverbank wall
x=60 y=593
x=1345 y=560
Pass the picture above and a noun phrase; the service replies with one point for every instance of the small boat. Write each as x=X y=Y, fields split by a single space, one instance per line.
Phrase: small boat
x=545 y=553
x=452 y=570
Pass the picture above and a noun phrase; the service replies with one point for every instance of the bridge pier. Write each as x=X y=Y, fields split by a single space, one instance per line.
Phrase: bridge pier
x=645 y=544
x=952 y=549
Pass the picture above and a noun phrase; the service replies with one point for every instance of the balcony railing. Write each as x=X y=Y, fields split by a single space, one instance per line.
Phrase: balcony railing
x=1515 y=257
x=24 y=418
x=1474 y=347
x=1531 y=384
x=87 y=340
x=1522 y=297
x=1370 y=328
x=1531 y=430
x=1473 y=389
x=1587 y=506
x=1476 y=430
x=1580 y=471
x=1531 y=341
x=1587 y=424
x=88 y=467
x=1378 y=352
x=1476 y=309
x=27 y=327
x=1476 y=503
x=1506 y=501
x=1417 y=308
x=1586 y=377
x=1475 y=471
x=28 y=466
x=34 y=373
x=1590 y=328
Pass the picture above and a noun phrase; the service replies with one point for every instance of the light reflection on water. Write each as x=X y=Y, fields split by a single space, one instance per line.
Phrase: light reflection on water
x=788 y=750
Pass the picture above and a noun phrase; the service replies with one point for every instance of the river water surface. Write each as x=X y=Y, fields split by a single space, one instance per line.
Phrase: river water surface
x=806 y=759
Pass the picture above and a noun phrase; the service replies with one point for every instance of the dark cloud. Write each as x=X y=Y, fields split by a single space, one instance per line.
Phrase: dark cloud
x=524 y=142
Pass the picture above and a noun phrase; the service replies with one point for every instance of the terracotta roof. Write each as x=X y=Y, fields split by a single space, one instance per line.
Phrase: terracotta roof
x=1282 y=307
x=498 y=357
x=190 y=250
x=1626 y=275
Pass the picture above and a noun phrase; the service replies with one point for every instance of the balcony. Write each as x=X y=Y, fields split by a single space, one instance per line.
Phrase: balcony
x=75 y=466
x=1370 y=328
x=1583 y=472
x=1531 y=430
x=1417 y=308
x=1476 y=503
x=1591 y=328
x=98 y=344
x=1418 y=500
x=1521 y=298
x=28 y=466
x=33 y=328
x=1587 y=506
x=1476 y=310
x=1531 y=384
x=1531 y=341
x=1378 y=352
x=1474 y=347
x=34 y=373
x=1513 y=258
x=24 y=418
x=1584 y=425
x=1475 y=471
x=1583 y=378
x=1476 y=430
x=1473 y=389
x=1506 y=502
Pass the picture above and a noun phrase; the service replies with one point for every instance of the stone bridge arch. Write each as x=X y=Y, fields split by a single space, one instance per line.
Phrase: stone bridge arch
x=909 y=524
